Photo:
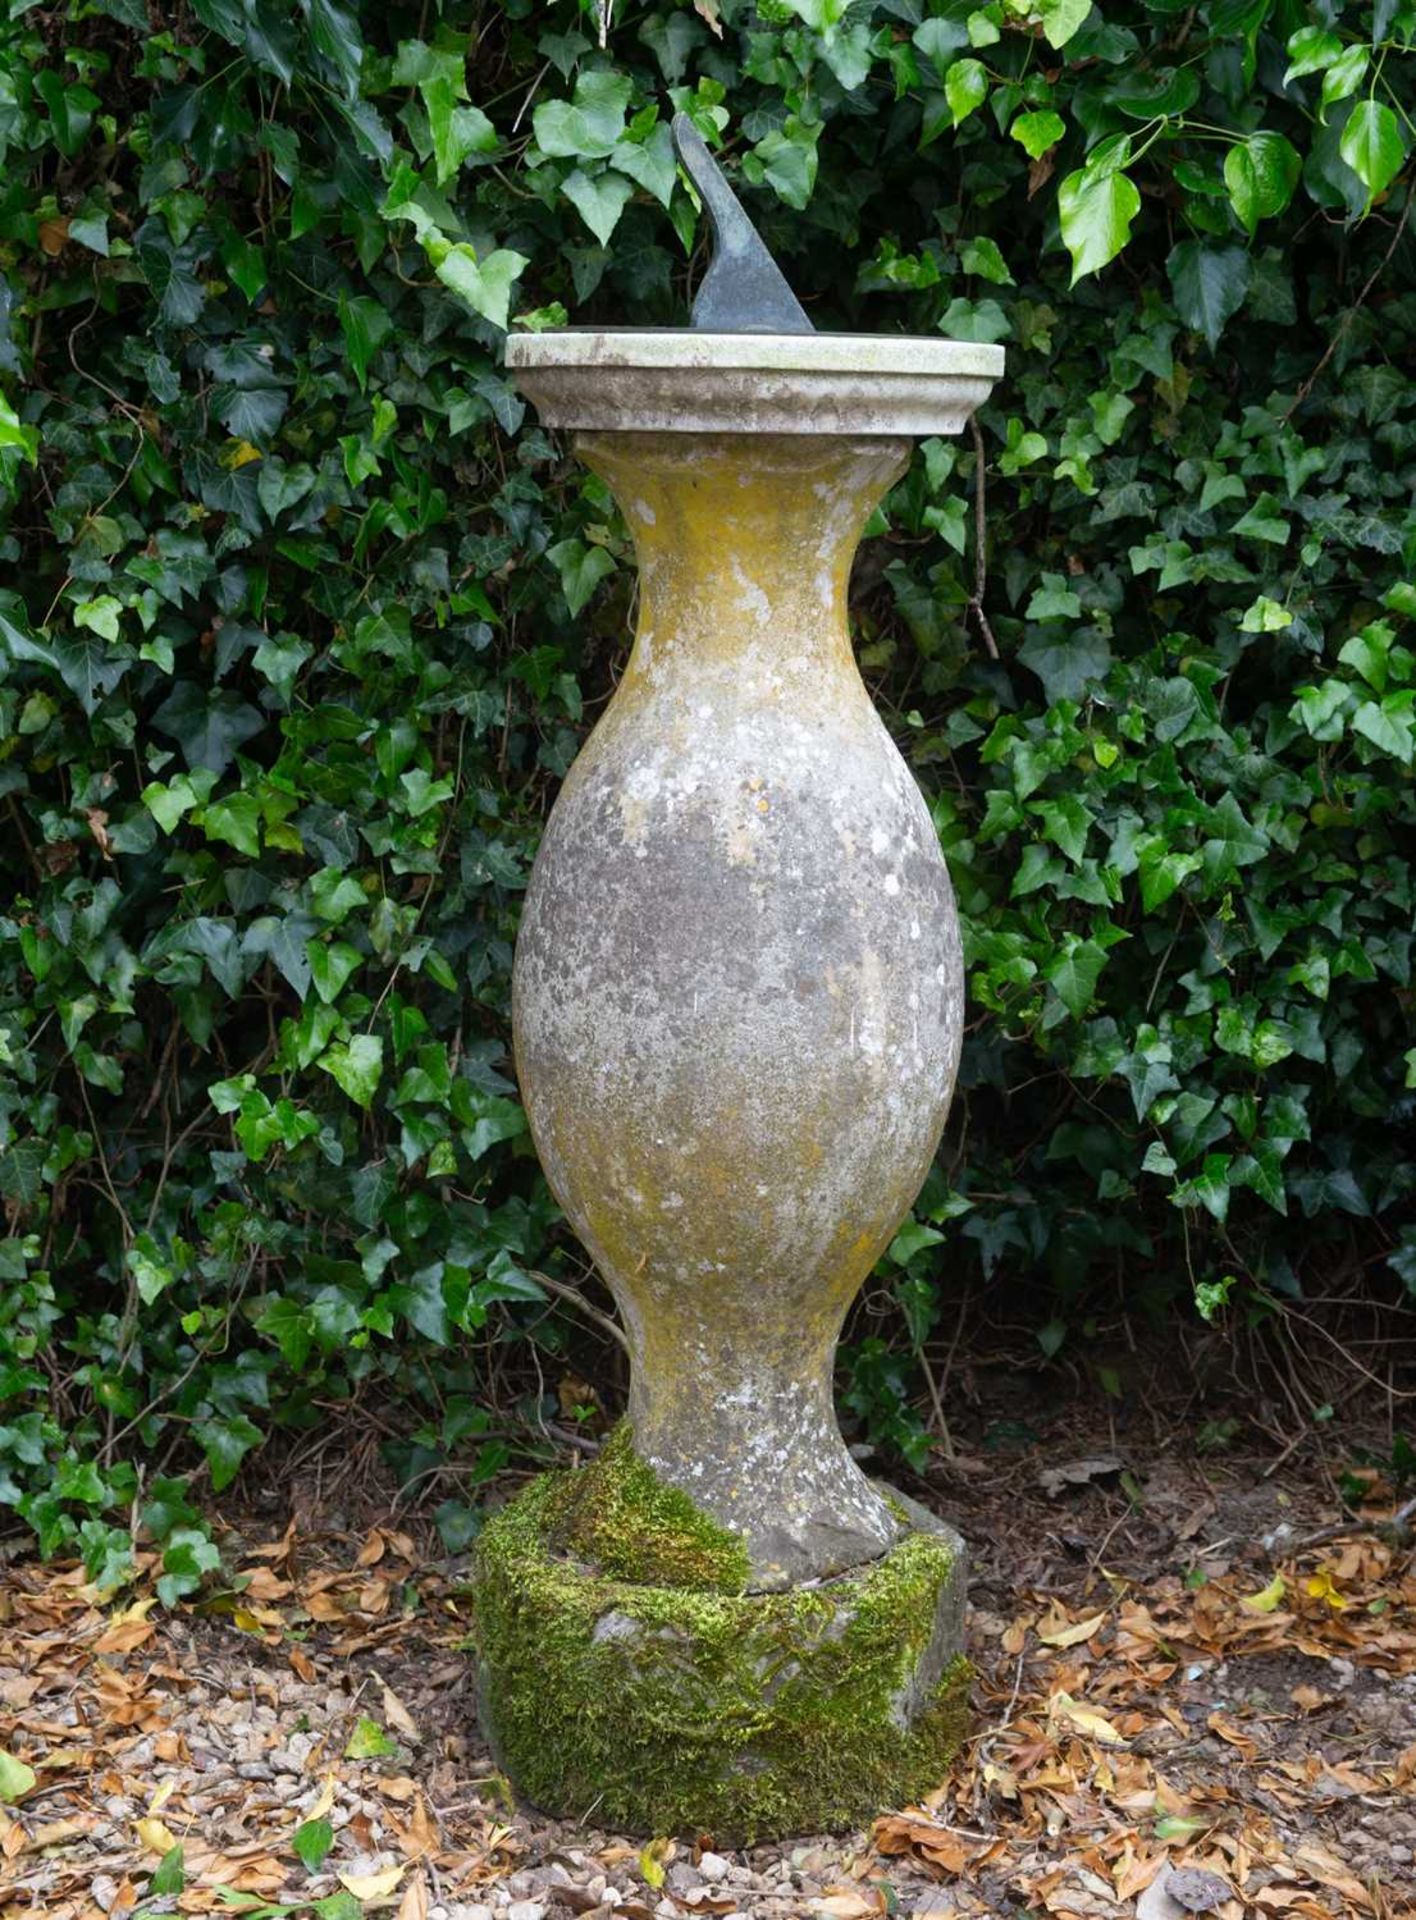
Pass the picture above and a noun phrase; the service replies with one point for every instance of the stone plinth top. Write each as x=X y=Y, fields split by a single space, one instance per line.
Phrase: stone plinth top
x=686 y=381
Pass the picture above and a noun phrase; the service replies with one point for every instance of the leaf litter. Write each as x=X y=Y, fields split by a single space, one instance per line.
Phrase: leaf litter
x=305 y=1744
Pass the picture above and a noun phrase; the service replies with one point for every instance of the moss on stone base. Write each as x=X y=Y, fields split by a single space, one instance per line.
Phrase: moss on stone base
x=618 y=1515
x=657 y=1709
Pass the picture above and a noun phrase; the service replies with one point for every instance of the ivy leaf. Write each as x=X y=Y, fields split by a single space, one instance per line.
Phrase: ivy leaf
x=1066 y=821
x=1068 y=667
x=1234 y=842
x=170 y=1875
x=1372 y=146
x=16 y=637
x=965 y=88
x=366 y=323
x=821 y=15
x=1261 y=175
x=484 y=284
x=187 y=1558
x=226 y=1442
x=335 y=34
x=1209 y=284
x=1074 y=974
x=1310 y=50
x=101 y=615
x=14 y=432
x=357 y=1066
x=369 y=1742
x=587 y=127
x=652 y=164
x=208 y=729
x=1388 y=727
x=90 y=668
x=312 y=1841
x=1096 y=211
x=457 y=131
x=1266 y=616
x=581 y=569
x=1344 y=75
x=1037 y=133
x=787 y=161
x=1061 y=19
x=599 y=199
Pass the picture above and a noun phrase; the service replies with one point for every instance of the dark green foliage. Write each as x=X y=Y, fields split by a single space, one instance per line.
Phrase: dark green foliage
x=302 y=620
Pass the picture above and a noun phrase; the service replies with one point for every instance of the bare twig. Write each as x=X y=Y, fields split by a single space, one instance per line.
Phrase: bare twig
x=1351 y=314
x=577 y=1299
x=1396 y=1525
x=980 y=541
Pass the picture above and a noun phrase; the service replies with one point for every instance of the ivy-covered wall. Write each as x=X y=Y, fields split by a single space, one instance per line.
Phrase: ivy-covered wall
x=302 y=619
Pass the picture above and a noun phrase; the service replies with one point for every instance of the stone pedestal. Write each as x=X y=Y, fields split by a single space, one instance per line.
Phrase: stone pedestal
x=738 y=1004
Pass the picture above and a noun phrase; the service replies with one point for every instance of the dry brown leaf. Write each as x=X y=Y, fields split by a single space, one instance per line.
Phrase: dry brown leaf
x=1234 y=1735
x=373 y=1886
x=1058 y=1631
x=847 y=1903
x=414 y=1904
x=397 y=1716
x=420 y=1836
x=155 y=1835
x=324 y=1800
x=1062 y=1708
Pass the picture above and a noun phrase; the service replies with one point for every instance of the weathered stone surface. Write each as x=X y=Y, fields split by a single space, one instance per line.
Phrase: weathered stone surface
x=739 y=991
x=703 y=1711
x=628 y=379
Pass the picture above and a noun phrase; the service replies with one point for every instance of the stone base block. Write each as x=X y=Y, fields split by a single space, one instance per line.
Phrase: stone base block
x=659 y=1709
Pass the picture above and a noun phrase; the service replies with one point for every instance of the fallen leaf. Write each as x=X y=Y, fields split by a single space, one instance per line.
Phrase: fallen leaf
x=414 y=1904
x=17 y=1777
x=1056 y=1631
x=1079 y=1473
x=369 y=1741
x=155 y=1835
x=323 y=1801
x=1268 y=1598
x=845 y=1904
x=1085 y=1720
x=420 y=1836
x=373 y=1550
x=1196 y=1889
x=373 y=1886
x=1310 y=1699
x=398 y=1716
x=1234 y=1735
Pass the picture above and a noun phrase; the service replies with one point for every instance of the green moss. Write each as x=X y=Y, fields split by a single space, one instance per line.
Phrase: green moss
x=655 y=1709
x=620 y=1517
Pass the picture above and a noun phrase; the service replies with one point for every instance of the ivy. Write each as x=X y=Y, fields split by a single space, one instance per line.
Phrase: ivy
x=305 y=618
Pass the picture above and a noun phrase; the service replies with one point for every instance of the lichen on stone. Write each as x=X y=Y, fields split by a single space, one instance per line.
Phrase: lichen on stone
x=618 y=1516
x=659 y=1708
